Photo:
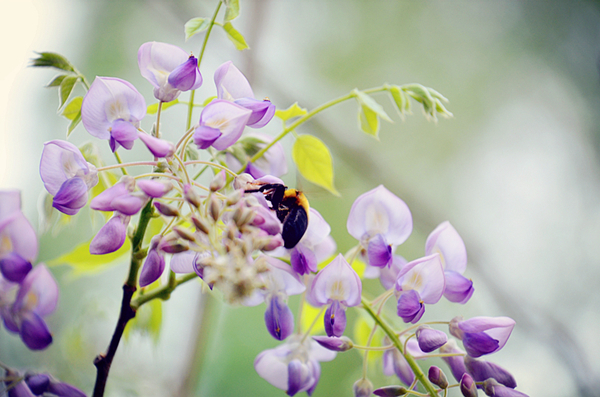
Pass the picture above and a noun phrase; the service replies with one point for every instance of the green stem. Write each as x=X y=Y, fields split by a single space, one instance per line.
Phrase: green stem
x=136 y=244
x=164 y=292
x=307 y=116
x=123 y=170
x=396 y=342
x=191 y=103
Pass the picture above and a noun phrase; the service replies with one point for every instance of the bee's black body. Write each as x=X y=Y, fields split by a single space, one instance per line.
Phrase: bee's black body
x=291 y=207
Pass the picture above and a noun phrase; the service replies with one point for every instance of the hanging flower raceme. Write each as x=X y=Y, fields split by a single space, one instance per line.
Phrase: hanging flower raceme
x=420 y=281
x=169 y=69
x=380 y=221
x=293 y=366
x=338 y=286
x=221 y=125
x=482 y=335
x=446 y=241
x=40 y=385
x=112 y=109
x=279 y=283
x=233 y=86
x=36 y=297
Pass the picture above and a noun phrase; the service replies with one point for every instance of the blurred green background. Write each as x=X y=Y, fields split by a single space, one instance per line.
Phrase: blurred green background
x=515 y=171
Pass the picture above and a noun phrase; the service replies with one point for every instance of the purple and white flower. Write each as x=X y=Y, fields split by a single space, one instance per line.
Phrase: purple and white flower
x=221 y=125
x=16 y=233
x=482 y=335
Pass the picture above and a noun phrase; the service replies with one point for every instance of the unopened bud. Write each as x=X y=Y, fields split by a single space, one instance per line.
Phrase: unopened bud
x=390 y=391
x=467 y=386
x=242 y=216
x=184 y=233
x=234 y=197
x=437 y=377
x=172 y=245
x=166 y=209
x=191 y=196
x=336 y=344
x=362 y=388
x=242 y=180
x=218 y=182
x=214 y=208
x=200 y=224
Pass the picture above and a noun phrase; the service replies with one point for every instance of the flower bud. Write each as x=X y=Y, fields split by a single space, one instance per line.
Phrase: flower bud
x=166 y=209
x=184 y=233
x=14 y=268
x=390 y=391
x=242 y=180
x=173 y=246
x=495 y=389
x=158 y=147
x=430 y=339
x=362 y=388
x=38 y=383
x=218 y=182
x=154 y=188
x=482 y=370
x=191 y=196
x=467 y=386
x=186 y=76
x=200 y=224
x=234 y=197
x=214 y=208
x=336 y=344
x=437 y=377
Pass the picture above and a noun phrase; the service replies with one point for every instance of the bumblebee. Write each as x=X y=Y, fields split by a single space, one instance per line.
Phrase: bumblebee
x=291 y=207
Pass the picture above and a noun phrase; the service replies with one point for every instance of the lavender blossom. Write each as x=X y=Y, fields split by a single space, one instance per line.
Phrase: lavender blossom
x=120 y=198
x=111 y=236
x=494 y=389
x=338 y=286
x=481 y=370
x=455 y=363
x=430 y=339
x=17 y=236
x=169 y=69
x=112 y=109
x=221 y=125
x=293 y=366
x=154 y=265
x=482 y=335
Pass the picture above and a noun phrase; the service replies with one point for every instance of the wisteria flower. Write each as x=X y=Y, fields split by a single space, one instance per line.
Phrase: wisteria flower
x=67 y=176
x=420 y=281
x=293 y=366
x=456 y=362
x=279 y=283
x=481 y=370
x=112 y=109
x=221 y=125
x=111 y=236
x=120 y=197
x=482 y=335
x=233 y=86
x=315 y=246
x=36 y=298
x=154 y=265
x=169 y=69
x=380 y=221
x=446 y=241
x=16 y=233
x=338 y=286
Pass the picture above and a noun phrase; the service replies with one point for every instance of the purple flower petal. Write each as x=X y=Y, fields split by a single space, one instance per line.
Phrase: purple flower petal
x=158 y=147
x=71 y=197
x=38 y=292
x=335 y=319
x=335 y=344
x=459 y=289
x=14 y=268
x=437 y=377
x=467 y=386
x=34 y=332
x=379 y=252
x=303 y=260
x=482 y=370
x=262 y=111
x=379 y=211
x=299 y=377
x=154 y=188
x=446 y=241
x=278 y=317
x=266 y=220
x=205 y=136
x=484 y=335
x=110 y=99
x=16 y=233
x=495 y=389
x=426 y=276
x=227 y=117
x=20 y=389
x=231 y=83
x=111 y=236
x=456 y=363
x=394 y=363
x=153 y=268
x=61 y=389
x=337 y=281
x=186 y=76
x=410 y=307
x=430 y=339
x=128 y=204
x=156 y=61
x=123 y=133
x=38 y=383
x=61 y=160
x=389 y=275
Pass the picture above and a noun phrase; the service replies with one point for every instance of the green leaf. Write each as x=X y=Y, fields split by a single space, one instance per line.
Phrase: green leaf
x=365 y=100
x=82 y=262
x=314 y=162
x=291 y=112
x=153 y=109
x=195 y=26
x=73 y=108
x=401 y=100
x=74 y=123
x=232 y=11
x=368 y=121
x=235 y=36
x=53 y=60
x=56 y=81
x=66 y=86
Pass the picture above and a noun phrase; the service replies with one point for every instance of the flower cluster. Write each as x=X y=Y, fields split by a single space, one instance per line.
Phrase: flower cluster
x=38 y=384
